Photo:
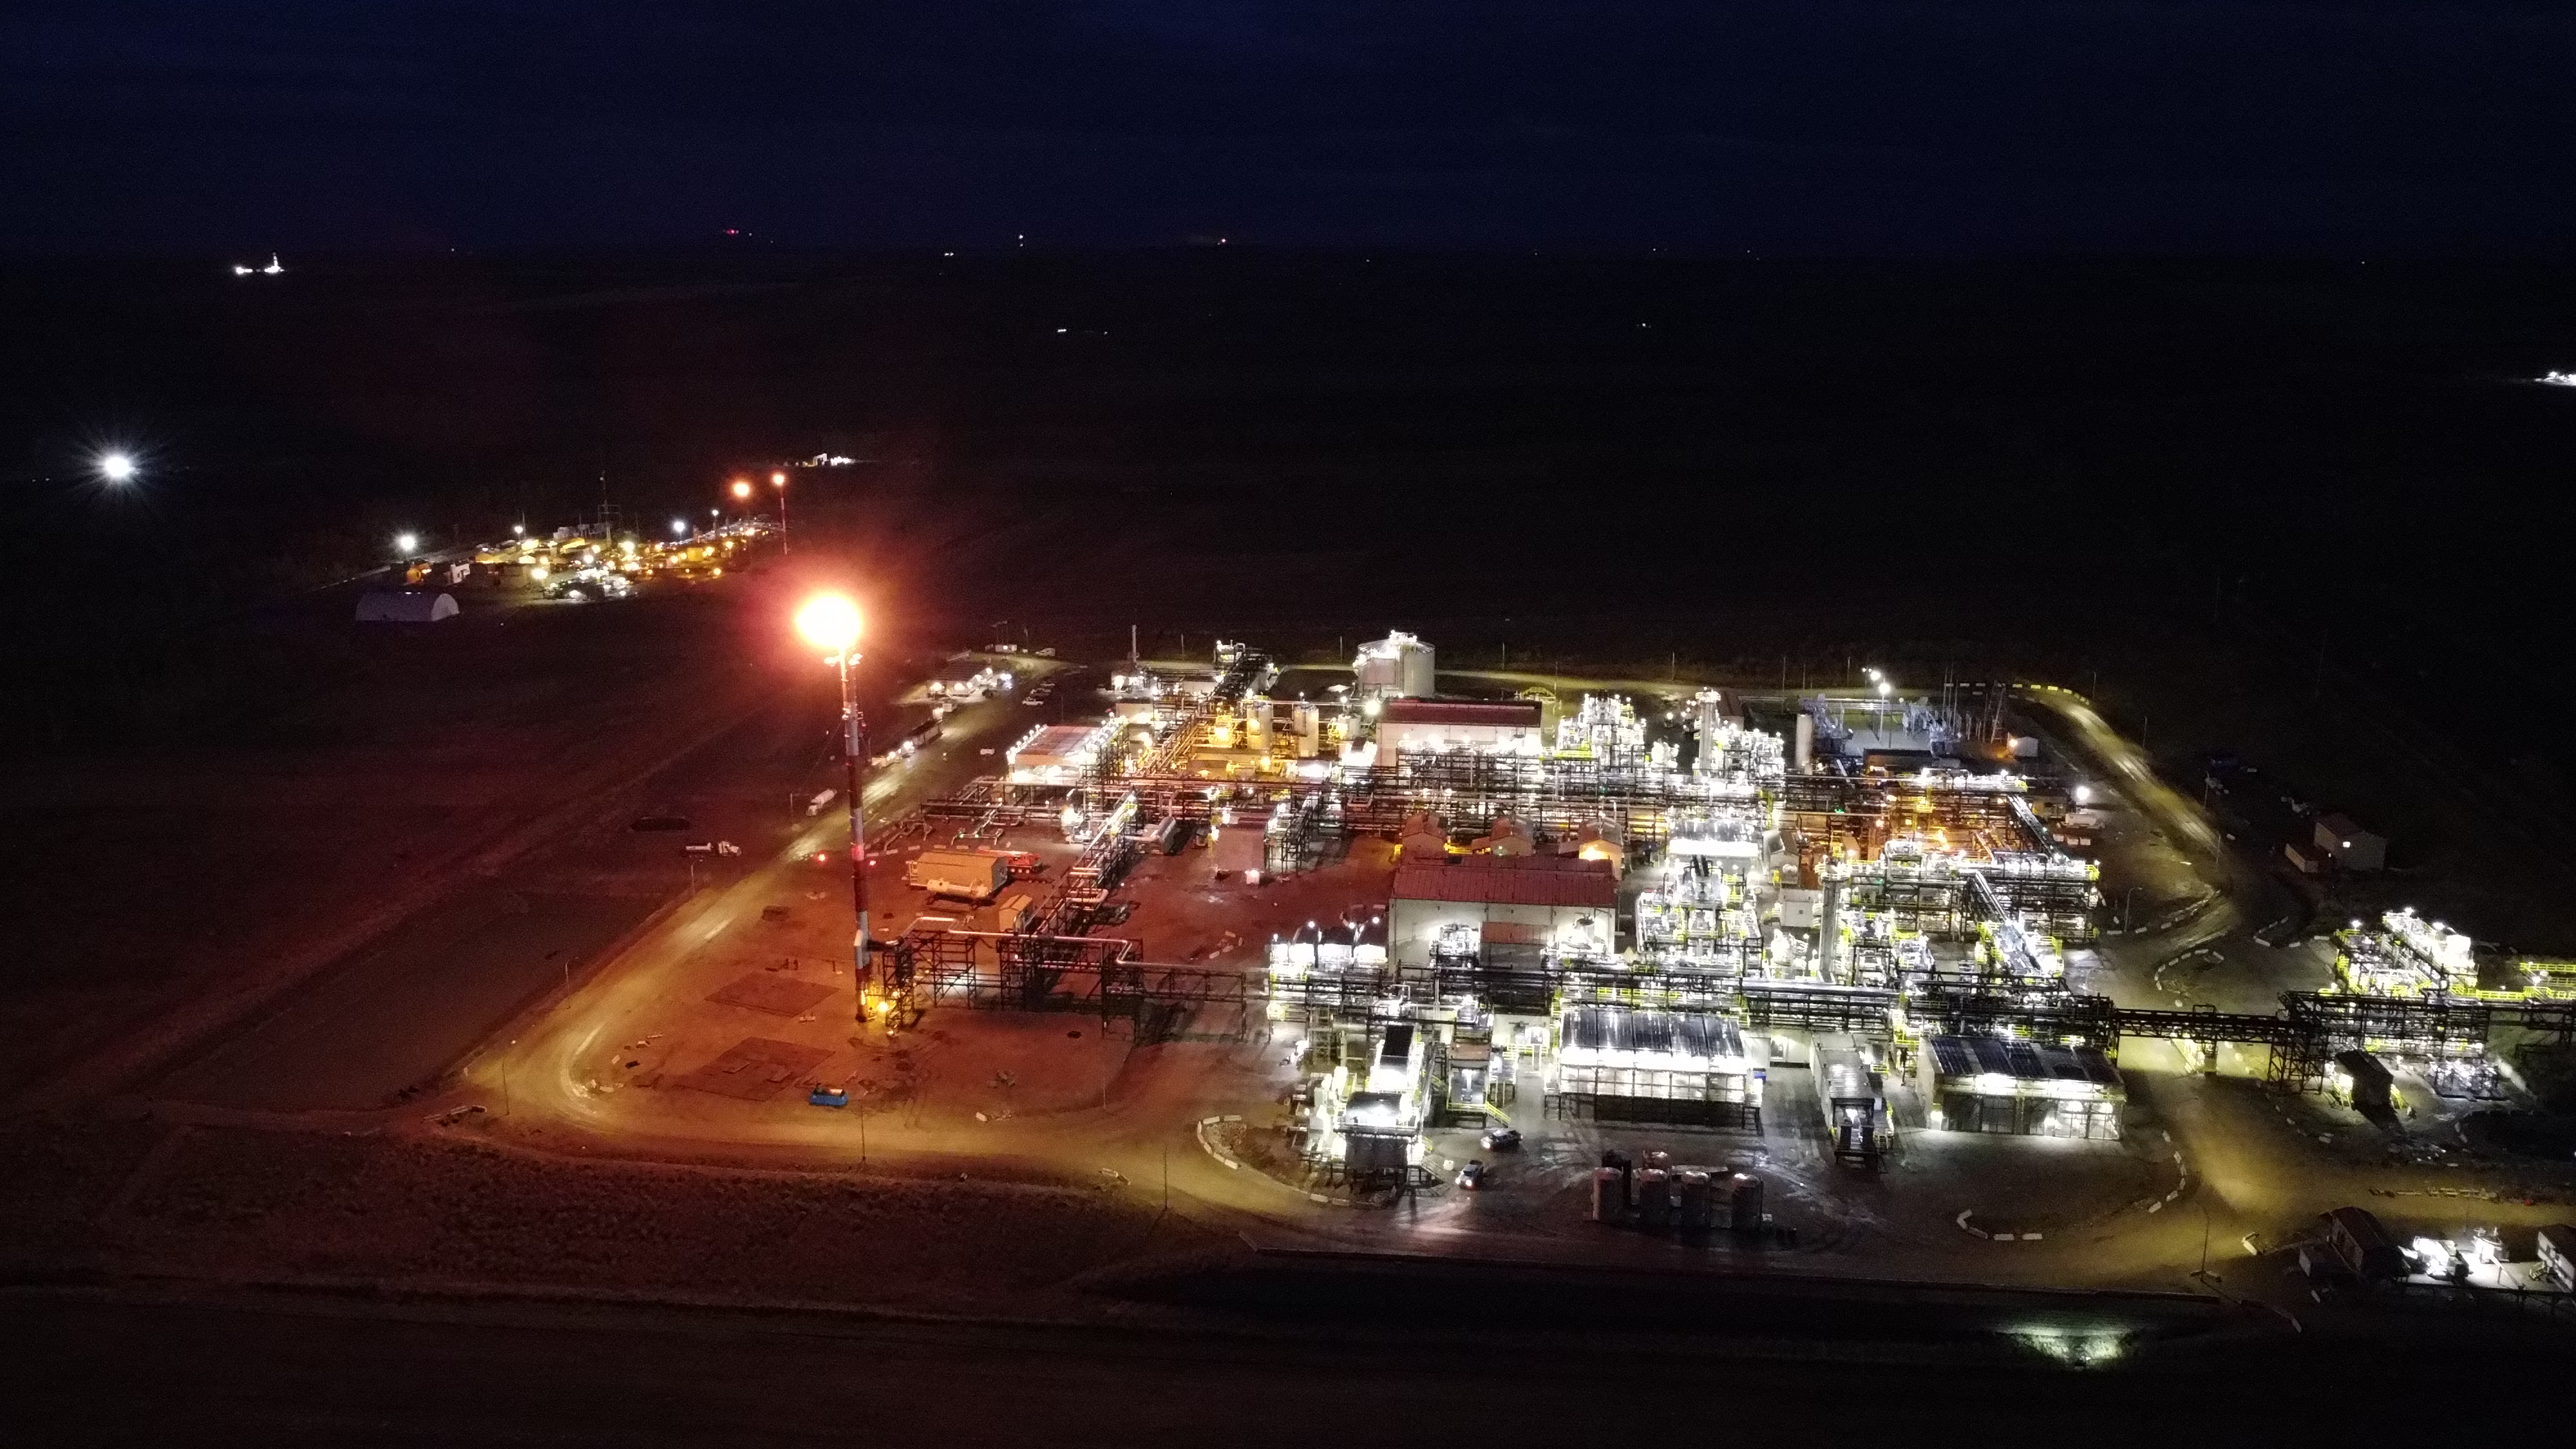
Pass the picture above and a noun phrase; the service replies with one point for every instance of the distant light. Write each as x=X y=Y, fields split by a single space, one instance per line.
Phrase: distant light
x=742 y=488
x=518 y=530
x=1885 y=689
x=778 y=480
x=2083 y=794
x=406 y=542
x=679 y=525
x=116 y=467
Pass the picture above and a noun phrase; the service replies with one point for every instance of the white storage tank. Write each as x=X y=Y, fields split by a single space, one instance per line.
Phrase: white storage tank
x=1698 y=1201
x=1654 y=1197
x=1745 y=1203
x=1608 y=1194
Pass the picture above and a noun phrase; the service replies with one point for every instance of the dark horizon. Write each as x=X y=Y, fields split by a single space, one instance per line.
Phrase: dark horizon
x=1998 y=127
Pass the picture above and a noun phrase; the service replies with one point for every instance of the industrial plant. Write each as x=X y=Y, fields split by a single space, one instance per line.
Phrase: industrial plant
x=1628 y=908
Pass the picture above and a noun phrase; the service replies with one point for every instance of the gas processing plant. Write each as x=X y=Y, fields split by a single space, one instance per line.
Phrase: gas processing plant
x=1627 y=907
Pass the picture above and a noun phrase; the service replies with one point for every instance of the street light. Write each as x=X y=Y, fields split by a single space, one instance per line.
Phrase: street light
x=116 y=467
x=405 y=543
x=742 y=488
x=778 y=480
x=832 y=622
x=679 y=528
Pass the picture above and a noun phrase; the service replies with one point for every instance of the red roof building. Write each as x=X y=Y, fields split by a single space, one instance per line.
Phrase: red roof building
x=1562 y=881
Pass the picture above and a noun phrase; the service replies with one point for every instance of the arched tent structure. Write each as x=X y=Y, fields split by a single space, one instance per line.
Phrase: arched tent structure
x=404 y=606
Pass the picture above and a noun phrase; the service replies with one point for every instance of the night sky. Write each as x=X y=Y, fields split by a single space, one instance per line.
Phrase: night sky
x=1779 y=125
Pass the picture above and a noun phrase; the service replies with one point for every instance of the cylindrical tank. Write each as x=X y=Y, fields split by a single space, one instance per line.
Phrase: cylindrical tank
x=1609 y=1194
x=1309 y=724
x=1698 y=1201
x=1256 y=723
x=1803 y=751
x=1654 y=1197
x=1745 y=1204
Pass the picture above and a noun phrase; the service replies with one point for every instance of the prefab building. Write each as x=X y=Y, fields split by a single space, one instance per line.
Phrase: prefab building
x=1479 y=726
x=1619 y=1064
x=2006 y=1084
x=405 y=606
x=1569 y=904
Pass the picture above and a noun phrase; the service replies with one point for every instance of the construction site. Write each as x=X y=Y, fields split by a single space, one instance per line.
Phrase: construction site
x=1617 y=908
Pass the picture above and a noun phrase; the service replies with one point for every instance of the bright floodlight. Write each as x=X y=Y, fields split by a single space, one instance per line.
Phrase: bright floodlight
x=831 y=621
x=742 y=488
x=778 y=480
x=406 y=541
x=116 y=467
x=1885 y=689
x=679 y=525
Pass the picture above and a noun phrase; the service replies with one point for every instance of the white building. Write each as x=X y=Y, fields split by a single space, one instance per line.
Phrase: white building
x=1056 y=754
x=1483 y=726
x=2012 y=1085
x=2348 y=845
x=1567 y=904
x=1395 y=667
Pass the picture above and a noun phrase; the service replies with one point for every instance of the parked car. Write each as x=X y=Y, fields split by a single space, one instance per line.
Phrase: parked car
x=1501 y=1139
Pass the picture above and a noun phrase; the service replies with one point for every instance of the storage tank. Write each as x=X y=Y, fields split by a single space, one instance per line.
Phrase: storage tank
x=1802 y=752
x=1256 y=723
x=1609 y=1194
x=1654 y=1197
x=1308 y=721
x=1745 y=1204
x=1397 y=666
x=1698 y=1201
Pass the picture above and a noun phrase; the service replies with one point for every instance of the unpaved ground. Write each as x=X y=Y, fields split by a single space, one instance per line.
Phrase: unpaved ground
x=172 y=879
x=239 y=1204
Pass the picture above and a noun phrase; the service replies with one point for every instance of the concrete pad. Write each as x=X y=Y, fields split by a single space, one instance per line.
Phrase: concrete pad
x=777 y=995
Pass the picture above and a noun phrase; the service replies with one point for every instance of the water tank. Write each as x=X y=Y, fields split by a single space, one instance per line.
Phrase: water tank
x=1745 y=1204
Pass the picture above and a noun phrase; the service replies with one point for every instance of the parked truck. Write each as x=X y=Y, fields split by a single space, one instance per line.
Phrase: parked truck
x=965 y=875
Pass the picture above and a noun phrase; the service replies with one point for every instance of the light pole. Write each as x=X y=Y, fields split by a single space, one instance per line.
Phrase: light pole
x=778 y=480
x=833 y=622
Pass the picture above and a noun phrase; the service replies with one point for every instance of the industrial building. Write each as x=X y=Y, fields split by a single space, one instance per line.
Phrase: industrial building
x=1410 y=727
x=1559 y=906
x=2013 y=1085
x=1615 y=1064
x=2342 y=840
x=1056 y=754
